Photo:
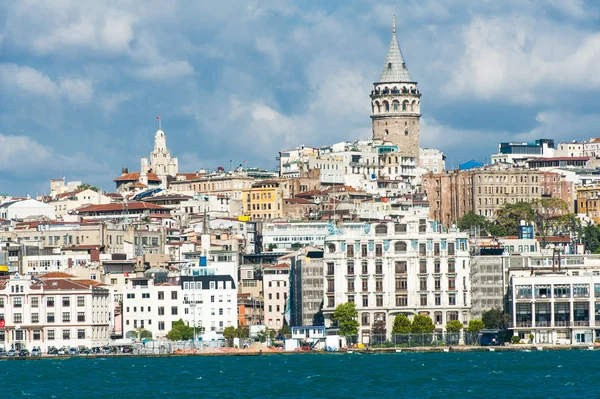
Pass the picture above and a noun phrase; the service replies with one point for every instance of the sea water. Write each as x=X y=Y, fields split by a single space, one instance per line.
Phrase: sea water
x=547 y=374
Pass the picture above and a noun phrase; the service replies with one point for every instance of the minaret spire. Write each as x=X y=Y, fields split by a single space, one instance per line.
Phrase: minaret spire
x=159 y=127
x=394 y=25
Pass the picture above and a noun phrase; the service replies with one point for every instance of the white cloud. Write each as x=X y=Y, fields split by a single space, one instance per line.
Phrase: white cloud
x=30 y=80
x=165 y=70
x=522 y=60
x=22 y=155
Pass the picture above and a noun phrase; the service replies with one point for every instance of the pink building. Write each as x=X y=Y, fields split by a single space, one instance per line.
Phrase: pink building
x=276 y=286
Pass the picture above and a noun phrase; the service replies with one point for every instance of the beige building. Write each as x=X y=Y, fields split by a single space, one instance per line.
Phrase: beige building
x=229 y=185
x=68 y=201
x=484 y=191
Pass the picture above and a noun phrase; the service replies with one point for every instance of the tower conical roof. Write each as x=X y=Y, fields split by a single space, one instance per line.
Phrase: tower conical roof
x=394 y=69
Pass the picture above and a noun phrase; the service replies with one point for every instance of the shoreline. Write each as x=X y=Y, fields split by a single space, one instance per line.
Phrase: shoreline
x=440 y=349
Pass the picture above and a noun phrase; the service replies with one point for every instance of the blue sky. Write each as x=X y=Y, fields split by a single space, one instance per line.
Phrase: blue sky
x=81 y=83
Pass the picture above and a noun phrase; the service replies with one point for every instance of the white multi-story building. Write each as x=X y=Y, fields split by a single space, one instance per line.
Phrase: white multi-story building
x=56 y=310
x=63 y=203
x=276 y=286
x=150 y=307
x=282 y=235
x=210 y=302
x=409 y=267
x=432 y=160
x=557 y=308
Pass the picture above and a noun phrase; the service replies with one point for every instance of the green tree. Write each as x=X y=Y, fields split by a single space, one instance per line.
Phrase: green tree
x=143 y=333
x=285 y=330
x=180 y=331
x=475 y=325
x=548 y=212
x=471 y=221
x=495 y=319
x=422 y=324
x=509 y=216
x=86 y=186
x=454 y=326
x=345 y=316
x=379 y=327
x=402 y=325
x=590 y=237
x=242 y=332
x=229 y=333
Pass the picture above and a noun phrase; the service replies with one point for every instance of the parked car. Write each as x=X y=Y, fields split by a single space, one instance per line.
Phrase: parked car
x=36 y=352
x=11 y=353
x=23 y=352
x=2 y=352
x=62 y=352
x=73 y=351
x=127 y=349
x=107 y=350
x=95 y=350
x=52 y=351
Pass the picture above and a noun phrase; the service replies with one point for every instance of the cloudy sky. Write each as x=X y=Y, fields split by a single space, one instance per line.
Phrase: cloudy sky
x=81 y=82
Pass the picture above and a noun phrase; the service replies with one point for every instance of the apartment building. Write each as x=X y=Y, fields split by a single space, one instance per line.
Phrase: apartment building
x=484 y=191
x=557 y=308
x=588 y=202
x=276 y=286
x=149 y=306
x=229 y=185
x=210 y=302
x=55 y=310
x=388 y=268
x=264 y=200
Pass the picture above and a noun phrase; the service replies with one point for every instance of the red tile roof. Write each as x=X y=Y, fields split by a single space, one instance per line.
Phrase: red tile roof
x=125 y=206
x=133 y=176
x=56 y=275
x=138 y=184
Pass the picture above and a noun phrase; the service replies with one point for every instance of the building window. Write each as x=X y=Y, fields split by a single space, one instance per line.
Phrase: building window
x=80 y=301
x=66 y=334
x=80 y=333
x=161 y=325
x=401 y=300
x=365 y=318
x=174 y=296
x=81 y=317
x=50 y=302
x=161 y=295
x=438 y=299
x=50 y=335
x=174 y=310
x=365 y=301
x=451 y=299
x=66 y=317
x=423 y=300
x=365 y=285
x=66 y=301
x=35 y=302
x=37 y=335
x=330 y=301
x=18 y=302
x=50 y=317
x=132 y=296
x=400 y=267
x=146 y=295
x=423 y=284
x=350 y=285
x=401 y=284
x=400 y=247
x=350 y=268
x=1 y=302
x=18 y=318
x=35 y=317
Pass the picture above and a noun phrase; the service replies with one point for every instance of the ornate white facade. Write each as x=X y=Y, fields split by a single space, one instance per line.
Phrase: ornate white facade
x=160 y=163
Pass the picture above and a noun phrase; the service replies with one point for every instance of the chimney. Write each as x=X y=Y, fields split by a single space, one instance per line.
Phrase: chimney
x=124 y=171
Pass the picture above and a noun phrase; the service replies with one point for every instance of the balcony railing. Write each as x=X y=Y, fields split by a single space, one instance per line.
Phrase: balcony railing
x=581 y=323
x=562 y=323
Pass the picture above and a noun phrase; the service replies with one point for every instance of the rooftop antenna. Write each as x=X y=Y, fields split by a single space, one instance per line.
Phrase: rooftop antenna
x=394 y=25
x=159 y=127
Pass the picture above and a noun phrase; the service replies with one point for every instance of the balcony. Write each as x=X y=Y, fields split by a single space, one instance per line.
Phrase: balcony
x=581 y=323
x=542 y=323
x=562 y=323
x=520 y=324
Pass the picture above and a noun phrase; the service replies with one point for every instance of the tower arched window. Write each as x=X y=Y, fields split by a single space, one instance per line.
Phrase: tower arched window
x=406 y=132
x=387 y=107
x=404 y=106
x=386 y=132
x=378 y=108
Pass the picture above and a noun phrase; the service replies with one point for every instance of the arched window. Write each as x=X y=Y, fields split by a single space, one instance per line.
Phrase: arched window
x=381 y=229
x=400 y=247
x=365 y=318
x=331 y=248
x=406 y=132
x=378 y=106
x=386 y=132
x=396 y=104
x=404 y=105
x=387 y=106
